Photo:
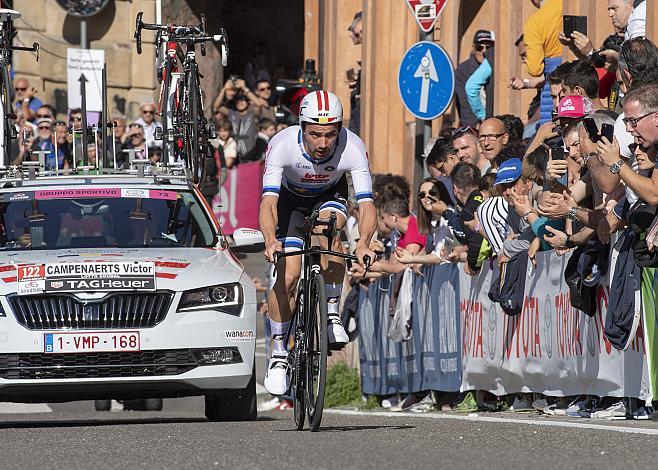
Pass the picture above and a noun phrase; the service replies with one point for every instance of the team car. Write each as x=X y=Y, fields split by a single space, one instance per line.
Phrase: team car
x=122 y=286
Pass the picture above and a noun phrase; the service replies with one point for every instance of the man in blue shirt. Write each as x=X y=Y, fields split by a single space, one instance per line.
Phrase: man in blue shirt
x=26 y=103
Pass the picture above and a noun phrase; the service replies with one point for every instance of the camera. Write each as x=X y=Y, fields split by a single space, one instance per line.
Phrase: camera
x=611 y=43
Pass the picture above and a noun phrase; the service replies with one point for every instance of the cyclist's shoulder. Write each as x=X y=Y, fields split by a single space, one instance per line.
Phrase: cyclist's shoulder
x=285 y=137
x=353 y=143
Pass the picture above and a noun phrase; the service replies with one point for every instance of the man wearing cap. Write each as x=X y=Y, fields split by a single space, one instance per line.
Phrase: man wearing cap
x=481 y=42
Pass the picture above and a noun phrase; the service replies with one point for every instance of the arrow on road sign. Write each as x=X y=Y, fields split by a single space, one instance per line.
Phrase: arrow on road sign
x=426 y=71
x=426 y=12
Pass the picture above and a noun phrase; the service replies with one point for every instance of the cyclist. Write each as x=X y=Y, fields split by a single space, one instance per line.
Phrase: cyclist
x=305 y=170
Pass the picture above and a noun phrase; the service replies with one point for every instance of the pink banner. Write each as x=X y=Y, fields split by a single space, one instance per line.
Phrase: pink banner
x=238 y=200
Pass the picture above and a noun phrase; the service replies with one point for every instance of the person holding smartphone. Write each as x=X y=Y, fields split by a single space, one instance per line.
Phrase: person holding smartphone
x=433 y=203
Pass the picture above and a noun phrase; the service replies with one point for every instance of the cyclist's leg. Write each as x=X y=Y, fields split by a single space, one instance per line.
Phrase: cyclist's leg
x=281 y=298
x=333 y=269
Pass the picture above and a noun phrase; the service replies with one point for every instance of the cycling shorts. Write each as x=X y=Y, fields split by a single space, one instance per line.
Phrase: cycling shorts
x=292 y=211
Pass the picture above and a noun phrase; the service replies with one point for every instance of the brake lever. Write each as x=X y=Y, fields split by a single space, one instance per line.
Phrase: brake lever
x=277 y=256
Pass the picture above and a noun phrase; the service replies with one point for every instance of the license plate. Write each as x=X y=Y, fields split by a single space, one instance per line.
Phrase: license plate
x=91 y=342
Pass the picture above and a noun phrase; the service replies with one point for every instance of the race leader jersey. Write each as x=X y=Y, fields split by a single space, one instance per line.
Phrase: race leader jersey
x=288 y=164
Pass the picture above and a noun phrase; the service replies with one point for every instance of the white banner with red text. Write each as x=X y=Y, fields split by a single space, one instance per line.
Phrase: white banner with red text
x=549 y=348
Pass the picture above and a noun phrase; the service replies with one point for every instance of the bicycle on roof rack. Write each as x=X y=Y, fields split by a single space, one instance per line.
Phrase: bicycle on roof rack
x=308 y=356
x=185 y=129
x=7 y=128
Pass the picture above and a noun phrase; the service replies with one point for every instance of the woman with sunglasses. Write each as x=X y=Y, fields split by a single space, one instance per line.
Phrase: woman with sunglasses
x=433 y=203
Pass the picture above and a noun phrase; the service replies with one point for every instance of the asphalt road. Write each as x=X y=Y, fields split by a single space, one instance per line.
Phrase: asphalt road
x=183 y=439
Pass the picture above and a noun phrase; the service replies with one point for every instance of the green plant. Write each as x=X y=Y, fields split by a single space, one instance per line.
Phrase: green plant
x=343 y=386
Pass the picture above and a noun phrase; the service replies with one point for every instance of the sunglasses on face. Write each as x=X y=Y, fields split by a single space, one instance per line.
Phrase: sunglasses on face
x=633 y=147
x=20 y=89
x=42 y=128
x=148 y=111
x=430 y=193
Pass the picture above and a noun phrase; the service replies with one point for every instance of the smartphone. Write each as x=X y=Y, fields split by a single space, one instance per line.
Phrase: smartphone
x=557 y=153
x=608 y=131
x=592 y=131
x=573 y=23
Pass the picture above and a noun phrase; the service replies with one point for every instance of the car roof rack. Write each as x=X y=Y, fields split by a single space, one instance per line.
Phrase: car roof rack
x=138 y=168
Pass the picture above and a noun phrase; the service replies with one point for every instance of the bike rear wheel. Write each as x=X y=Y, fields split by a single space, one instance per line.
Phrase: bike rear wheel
x=317 y=347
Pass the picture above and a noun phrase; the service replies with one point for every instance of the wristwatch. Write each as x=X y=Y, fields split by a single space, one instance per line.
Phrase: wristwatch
x=526 y=83
x=615 y=168
x=572 y=214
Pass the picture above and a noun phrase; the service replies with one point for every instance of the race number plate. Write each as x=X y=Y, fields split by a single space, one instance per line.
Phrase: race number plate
x=115 y=341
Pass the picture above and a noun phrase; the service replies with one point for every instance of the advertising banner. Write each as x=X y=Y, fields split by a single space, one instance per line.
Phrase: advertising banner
x=238 y=200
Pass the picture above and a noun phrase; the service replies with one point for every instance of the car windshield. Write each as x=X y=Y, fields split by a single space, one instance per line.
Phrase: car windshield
x=128 y=218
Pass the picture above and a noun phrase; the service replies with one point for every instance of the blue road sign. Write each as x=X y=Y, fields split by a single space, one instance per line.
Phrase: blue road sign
x=426 y=80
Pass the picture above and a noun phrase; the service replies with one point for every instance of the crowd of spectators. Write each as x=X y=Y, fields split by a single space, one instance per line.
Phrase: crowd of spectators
x=578 y=176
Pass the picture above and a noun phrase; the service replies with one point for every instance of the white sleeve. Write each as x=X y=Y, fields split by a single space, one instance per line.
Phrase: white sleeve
x=637 y=22
x=360 y=171
x=273 y=169
x=623 y=138
x=231 y=149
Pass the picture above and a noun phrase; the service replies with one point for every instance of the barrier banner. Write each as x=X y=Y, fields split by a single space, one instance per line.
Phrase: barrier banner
x=236 y=204
x=549 y=348
x=650 y=318
x=379 y=357
x=431 y=358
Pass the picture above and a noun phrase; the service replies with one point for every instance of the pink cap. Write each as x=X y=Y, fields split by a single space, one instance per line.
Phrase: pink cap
x=574 y=106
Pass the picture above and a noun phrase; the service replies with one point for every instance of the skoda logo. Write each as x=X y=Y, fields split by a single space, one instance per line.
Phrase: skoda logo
x=548 y=327
x=89 y=313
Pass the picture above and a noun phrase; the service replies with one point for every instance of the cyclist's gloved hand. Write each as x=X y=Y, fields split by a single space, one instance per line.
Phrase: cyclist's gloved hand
x=271 y=248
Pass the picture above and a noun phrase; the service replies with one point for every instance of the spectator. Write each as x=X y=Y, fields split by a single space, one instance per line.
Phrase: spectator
x=227 y=147
x=543 y=48
x=244 y=126
x=465 y=180
x=493 y=137
x=267 y=129
x=44 y=143
x=136 y=140
x=514 y=127
x=480 y=85
x=264 y=93
x=482 y=40
x=433 y=201
x=226 y=98
x=582 y=80
x=636 y=26
x=149 y=124
x=63 y=146
x=46 y=112
x=441 y=159
x=354 y=75
x=468 y=149
x=27 y=103
x=535 y=83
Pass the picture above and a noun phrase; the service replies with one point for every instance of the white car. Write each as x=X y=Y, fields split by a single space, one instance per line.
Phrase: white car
x=123 y=287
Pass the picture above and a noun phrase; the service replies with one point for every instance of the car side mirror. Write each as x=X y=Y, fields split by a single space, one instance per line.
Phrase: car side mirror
x=247 y=240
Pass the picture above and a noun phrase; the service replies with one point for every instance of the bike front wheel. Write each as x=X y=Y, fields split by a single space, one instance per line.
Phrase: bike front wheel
x=317 y=347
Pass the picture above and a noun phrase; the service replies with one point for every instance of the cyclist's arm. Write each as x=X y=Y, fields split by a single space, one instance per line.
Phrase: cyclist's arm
x=268 y=218
x=367 y=223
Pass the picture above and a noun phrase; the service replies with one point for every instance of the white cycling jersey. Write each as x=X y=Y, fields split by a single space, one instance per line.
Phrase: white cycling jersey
x=288 y=164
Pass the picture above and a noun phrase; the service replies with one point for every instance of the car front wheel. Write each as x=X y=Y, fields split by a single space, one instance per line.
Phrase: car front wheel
x=238 y=406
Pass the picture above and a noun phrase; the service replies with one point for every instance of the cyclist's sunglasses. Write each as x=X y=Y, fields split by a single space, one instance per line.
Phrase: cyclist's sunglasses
x=463 y=130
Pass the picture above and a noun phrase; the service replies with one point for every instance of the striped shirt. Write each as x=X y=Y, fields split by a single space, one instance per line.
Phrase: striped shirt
x=493 y=214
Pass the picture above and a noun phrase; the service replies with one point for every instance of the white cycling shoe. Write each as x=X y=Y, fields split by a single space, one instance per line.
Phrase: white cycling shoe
x=337 y=336
x=276 y=378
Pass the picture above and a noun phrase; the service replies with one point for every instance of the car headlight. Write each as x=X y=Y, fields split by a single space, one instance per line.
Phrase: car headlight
x=225 y=298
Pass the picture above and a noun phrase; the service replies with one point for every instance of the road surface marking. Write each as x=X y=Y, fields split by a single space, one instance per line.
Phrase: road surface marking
x=487 y=419
x=19 y=408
